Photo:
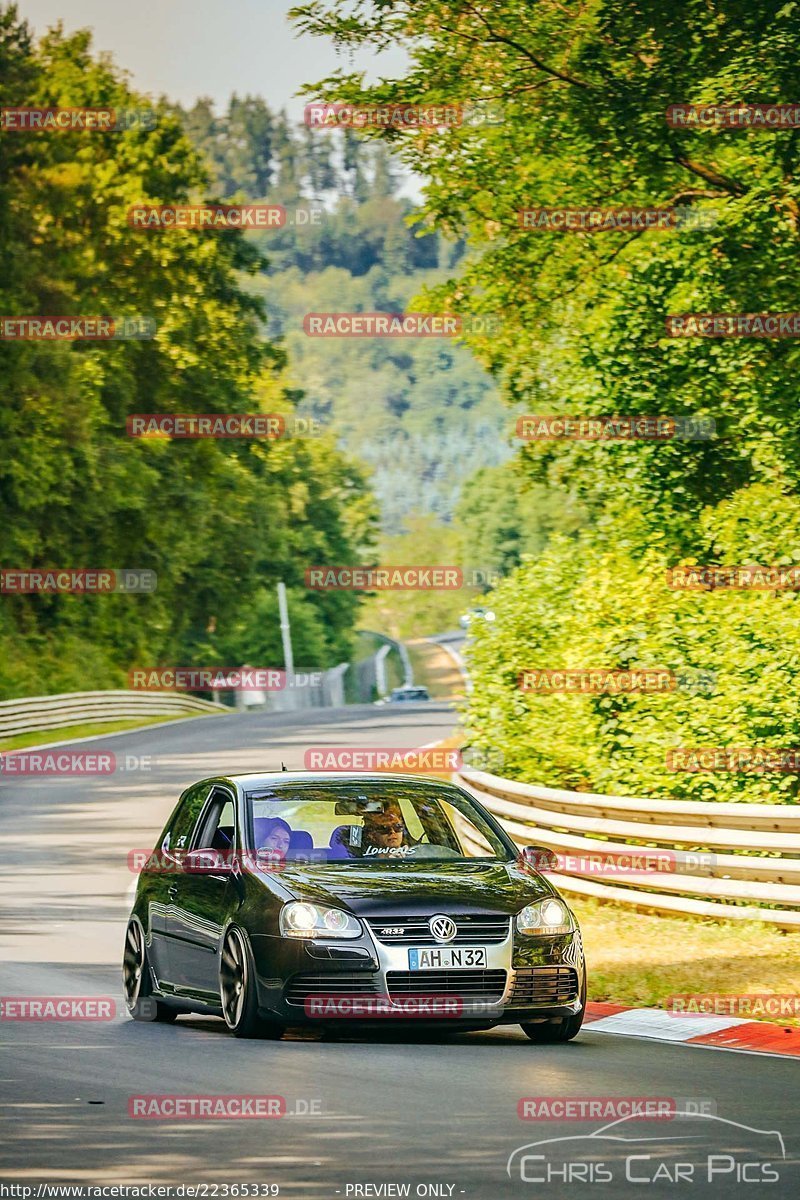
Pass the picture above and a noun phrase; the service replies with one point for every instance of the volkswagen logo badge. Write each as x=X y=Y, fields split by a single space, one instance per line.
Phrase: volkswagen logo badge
x=444 y=929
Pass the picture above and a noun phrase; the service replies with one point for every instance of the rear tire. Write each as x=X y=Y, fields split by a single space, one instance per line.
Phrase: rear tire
x=237 y=989
x=137 y=979
x=557 y=1031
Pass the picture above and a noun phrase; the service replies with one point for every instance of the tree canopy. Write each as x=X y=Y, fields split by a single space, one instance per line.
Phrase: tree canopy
x=218 y=521
x=578 y=99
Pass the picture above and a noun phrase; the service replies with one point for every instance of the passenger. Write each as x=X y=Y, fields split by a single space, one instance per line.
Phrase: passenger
x=384 y=832
x=275 y=843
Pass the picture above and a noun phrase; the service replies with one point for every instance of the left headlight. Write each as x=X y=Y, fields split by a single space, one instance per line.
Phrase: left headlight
x=545 y=917
x=302 y=920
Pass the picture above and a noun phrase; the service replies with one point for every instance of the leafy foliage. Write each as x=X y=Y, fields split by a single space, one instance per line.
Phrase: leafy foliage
x=582 y=94
x=219 y=522
x=602 y=600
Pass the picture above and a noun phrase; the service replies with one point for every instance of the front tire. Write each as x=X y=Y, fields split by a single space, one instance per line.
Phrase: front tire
x=137 y=979
x=557 y=1031
x=237 y=989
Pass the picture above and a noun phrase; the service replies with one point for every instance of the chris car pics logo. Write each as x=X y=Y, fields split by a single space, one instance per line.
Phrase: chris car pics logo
x=632 y=1155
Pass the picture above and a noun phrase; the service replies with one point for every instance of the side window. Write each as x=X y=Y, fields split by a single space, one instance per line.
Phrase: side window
x=182 y=821
x=218 y=825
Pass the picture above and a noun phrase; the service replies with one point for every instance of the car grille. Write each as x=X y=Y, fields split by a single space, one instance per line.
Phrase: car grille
x=545 y=985
x=330 y=984
x=471 y=985
x=472 y=930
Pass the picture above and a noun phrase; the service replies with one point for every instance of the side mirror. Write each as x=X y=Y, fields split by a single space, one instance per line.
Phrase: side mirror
x=207 y=862
x=538 y=858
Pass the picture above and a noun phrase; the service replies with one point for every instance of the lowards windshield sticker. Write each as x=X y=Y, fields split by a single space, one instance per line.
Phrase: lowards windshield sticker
x=393 y=850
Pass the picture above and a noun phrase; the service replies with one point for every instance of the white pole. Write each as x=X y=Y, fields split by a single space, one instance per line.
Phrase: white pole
x=380 y=670
x=286 y=634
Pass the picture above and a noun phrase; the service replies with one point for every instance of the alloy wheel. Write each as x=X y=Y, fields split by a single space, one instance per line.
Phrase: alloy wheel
x=233 y=978
x=133 y=963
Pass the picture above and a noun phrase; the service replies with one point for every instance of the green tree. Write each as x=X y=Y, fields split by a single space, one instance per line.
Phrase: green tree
x=579 y=100
x=218 y=521
x=502 y=517
x=603 y=601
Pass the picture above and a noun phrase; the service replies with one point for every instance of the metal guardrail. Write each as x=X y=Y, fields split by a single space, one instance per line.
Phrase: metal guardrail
x=699 y=879
x=400 y=648
x=36 y=713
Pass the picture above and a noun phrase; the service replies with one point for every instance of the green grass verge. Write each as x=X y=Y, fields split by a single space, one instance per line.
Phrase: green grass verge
x=643 y=959
x=66 y=732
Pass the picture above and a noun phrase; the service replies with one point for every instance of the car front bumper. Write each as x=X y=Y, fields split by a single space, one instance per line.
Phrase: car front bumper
x=317 y=982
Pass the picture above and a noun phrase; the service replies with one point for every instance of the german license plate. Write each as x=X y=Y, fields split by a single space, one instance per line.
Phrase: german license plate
x=446 y=958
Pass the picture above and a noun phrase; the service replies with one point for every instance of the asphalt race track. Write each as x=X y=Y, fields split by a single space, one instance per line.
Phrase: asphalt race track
x=368 y=1115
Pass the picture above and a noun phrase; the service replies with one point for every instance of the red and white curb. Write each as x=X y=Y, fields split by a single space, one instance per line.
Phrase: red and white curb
x=725 y=1033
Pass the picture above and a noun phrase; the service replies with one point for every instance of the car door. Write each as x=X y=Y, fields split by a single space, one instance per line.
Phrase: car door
x=199 y=901
x=157 y=879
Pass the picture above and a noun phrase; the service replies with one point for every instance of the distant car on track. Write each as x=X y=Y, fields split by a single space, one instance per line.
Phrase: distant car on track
x=279 y=900
x=478 y=613
x=408 y=694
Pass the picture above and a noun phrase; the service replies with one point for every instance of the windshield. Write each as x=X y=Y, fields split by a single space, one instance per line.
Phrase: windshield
x=366 y=824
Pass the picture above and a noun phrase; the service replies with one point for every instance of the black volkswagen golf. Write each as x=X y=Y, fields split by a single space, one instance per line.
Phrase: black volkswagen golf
x=279 y=900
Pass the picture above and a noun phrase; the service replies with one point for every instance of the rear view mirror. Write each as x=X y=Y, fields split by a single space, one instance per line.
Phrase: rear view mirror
x=206 y=862
x=539 y=858
x=356 y=806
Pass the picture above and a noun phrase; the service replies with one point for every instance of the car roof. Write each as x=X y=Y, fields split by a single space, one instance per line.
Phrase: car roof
x=250 y=780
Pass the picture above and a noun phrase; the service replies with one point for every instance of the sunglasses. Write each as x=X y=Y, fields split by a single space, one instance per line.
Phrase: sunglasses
x=387 y=828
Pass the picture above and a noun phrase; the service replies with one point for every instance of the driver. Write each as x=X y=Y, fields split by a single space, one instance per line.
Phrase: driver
x=384 y=831
x=275 y=838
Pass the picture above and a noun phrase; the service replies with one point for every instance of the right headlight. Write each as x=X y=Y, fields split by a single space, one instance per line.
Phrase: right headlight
x=545 y=917
x=302 y=920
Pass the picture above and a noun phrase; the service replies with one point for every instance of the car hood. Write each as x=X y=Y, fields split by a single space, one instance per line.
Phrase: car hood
x=410 y=888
